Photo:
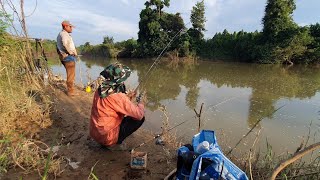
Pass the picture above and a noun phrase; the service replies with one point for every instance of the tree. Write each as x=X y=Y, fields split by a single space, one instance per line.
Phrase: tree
x=156 y=29
x=87 y=44
x=197 y=19
x=282 y=38
x=128 y=48
x=277 y=19
x=197 y=16
x=159 y=5
x=107 y=40
x=313 y=52
x=294 y=46
x=5 y=21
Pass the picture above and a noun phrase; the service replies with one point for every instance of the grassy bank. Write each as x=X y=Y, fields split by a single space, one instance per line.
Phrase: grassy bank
x=24 y=109
x=24 y=112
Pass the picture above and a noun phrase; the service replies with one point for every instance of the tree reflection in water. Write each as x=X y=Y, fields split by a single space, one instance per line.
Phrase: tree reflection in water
x=184 y=88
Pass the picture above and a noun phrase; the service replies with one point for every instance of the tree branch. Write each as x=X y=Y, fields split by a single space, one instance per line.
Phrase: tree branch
x=295 y=157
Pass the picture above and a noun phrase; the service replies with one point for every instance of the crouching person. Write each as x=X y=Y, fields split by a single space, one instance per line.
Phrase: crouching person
x=113 y=115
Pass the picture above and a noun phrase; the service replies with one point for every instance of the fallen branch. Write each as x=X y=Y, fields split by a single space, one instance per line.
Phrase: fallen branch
x=295 y=157
x=304 y=175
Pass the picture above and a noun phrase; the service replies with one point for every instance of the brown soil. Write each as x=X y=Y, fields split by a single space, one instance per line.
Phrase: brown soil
x=69 y=130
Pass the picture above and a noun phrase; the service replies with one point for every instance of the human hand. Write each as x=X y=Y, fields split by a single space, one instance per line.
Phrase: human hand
x=142 y=98
x=131 y=94
x=64 y=55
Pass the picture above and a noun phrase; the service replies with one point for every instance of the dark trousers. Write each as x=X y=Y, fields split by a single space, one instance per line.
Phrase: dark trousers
x=127 y=127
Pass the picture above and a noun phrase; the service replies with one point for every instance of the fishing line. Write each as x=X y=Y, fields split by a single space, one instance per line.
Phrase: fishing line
x=161 y=134
x=156 y=61
x=80 y=71
x=254 y=126
x=214 y=106
x=146 y=77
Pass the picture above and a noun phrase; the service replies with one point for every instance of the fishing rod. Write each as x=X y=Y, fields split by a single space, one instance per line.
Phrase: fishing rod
x=254 y=126
x=214 y=106
x=146 y=77
x=161 y=134
x=157 y=60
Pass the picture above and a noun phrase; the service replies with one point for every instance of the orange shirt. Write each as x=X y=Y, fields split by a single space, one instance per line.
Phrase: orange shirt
x=107 y=114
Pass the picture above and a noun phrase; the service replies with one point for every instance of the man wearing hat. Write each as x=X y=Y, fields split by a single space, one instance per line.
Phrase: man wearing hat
x=113 y=115
x=67 y=54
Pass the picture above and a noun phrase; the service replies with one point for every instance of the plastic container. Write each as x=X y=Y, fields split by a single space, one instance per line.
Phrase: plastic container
x=203 y=147
x=138 y=160
x=88 y=89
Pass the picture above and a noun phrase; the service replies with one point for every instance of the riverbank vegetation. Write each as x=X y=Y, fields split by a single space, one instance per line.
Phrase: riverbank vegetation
x=281 y=41
x=24 y=107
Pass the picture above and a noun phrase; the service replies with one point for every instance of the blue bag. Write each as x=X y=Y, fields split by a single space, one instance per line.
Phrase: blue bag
x=212 y=164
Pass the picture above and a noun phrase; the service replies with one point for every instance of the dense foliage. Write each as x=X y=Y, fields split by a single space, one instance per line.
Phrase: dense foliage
x=110 y=49
x=197 y=19
x=280 y=41
x=157 y=28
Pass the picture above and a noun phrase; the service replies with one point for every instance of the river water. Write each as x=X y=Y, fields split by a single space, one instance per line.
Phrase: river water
x=235 y=97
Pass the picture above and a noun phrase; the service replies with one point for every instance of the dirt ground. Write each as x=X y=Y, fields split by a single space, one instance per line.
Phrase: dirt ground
x=69 y=132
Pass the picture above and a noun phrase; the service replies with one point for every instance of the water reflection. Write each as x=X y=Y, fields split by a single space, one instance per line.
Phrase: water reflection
x=235 y=96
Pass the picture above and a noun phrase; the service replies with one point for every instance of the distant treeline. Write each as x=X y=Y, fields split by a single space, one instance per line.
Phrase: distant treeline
x=280 y=41
x=110 y=49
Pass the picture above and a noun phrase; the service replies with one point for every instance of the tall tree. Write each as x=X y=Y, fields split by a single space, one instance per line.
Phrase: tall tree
x=197 y=16
x=198 y=20
x=313 y=54
x=159 y=4
x=108 y=40
x=278 y=18
x=157 y=29
x=284 y=40
x=150 y=37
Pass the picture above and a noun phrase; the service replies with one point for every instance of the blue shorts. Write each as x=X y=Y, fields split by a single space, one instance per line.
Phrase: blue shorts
x=69 y=58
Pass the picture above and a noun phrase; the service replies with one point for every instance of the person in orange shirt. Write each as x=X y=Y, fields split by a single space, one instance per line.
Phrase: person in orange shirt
x=113 y=115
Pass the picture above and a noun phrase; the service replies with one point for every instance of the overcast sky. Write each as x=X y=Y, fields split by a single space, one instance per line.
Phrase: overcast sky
x=95 y=19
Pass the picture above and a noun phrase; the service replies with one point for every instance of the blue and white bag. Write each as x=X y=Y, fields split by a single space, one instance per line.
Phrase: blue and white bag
x=212 y=164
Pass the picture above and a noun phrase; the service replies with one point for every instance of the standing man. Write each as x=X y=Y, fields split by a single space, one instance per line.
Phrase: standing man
x=67 y=55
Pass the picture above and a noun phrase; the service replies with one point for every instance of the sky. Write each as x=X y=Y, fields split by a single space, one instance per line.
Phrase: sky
x=119 y=19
